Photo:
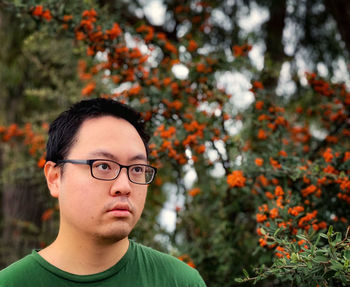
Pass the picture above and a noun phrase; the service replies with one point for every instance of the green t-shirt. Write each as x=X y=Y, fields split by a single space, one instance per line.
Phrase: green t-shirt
x=140 y=267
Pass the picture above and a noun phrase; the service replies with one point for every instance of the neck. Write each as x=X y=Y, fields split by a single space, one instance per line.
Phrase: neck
x=84 y=256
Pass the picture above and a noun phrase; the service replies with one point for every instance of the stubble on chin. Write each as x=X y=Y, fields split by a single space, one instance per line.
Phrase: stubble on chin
x=112 y=235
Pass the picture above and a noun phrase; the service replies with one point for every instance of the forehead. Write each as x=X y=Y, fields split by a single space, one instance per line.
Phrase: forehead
x=112 y=135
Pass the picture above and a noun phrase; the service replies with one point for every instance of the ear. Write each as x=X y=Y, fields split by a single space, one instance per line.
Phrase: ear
x=53 y=178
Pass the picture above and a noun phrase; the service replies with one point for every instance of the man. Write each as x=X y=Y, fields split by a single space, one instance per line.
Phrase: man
x=97 y=168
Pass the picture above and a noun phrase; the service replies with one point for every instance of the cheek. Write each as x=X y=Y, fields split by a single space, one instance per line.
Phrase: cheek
x=140 y=199
x=79 y=199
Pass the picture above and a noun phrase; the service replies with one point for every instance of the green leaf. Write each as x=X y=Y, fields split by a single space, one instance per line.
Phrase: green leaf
x=309 y=264
x=300 y=236
x=320 y=259
x=335 y=265
x=317 y=241
x=294 y=257
x=346 y=264
x=347 y=255
x=262 y=230
x=338 y=237
x=323 y=235
x=246 y=273
x=321 y=252
x=330 y=231
x=276 y=232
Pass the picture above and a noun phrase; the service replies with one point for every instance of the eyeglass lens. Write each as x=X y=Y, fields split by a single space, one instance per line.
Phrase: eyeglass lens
x=108 y=170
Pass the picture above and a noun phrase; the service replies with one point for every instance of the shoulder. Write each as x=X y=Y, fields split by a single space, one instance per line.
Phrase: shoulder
x=168 y=266
x=21 y=269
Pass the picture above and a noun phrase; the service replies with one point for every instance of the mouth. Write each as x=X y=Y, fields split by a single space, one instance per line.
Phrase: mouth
x=120 y=210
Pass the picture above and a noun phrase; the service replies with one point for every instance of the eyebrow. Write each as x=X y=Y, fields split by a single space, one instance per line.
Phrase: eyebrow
x=109 y=155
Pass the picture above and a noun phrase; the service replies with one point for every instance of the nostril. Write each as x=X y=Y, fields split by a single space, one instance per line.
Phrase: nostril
x=120 y=193
x=121 y=186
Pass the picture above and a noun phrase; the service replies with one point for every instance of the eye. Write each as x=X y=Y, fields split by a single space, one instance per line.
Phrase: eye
x=102 y=166
x=138 y=169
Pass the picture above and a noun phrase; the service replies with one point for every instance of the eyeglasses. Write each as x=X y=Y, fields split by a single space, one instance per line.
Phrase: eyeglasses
x=104 y=169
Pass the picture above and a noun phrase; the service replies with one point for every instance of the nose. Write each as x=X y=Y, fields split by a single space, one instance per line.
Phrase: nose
x=121 y=185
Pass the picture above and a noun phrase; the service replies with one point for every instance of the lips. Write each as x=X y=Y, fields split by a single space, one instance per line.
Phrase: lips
x=120 y=210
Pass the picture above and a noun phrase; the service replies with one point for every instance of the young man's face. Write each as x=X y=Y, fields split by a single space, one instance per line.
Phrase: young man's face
x=105 y=210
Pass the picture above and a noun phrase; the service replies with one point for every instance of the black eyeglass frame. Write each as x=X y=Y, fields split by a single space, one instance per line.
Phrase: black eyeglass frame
x=91 y=161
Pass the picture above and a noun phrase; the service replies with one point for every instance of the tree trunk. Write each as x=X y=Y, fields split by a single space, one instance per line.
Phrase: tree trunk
x=274 y=55
x=340 y=10
x=21 y=221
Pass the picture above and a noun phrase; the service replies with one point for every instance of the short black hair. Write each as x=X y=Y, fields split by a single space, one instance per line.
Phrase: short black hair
x=63 y=130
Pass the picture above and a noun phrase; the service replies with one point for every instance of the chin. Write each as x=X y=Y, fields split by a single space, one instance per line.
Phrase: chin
x=113 y=236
